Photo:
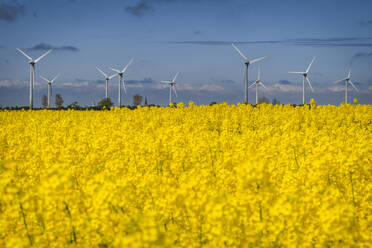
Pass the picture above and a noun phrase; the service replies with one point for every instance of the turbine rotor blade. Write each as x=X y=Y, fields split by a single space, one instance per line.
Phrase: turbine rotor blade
x=42 y=56
x=104 y=74
x=349 y=75
x=174 y=79
x=353 y=86
x=52 y=81
x=262 y=85
x=259 y=73
x=112 y=76
x=124 y=87
x=341 y=80
x=29 y=58
x=308 y=81
x=165 y=82
x=44 y=79
x=241 y=54
x=126 y=67
x=251 y=85
x=296 y=72
x=312 y=61
x=174 y=89
x=256 y=60
x=115 y=70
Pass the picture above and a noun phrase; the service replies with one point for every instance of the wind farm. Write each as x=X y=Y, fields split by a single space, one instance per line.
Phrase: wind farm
x=172 y=83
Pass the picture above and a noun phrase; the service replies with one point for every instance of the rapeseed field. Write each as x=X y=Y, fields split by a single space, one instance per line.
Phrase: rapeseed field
x=211 y=176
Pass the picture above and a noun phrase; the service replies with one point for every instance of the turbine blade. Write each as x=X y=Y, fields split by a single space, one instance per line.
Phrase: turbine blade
x=259 y=73
x=29 y=58
x=44 y=79
x=251 y=85
x=241 y=54
x=256 y=60
x=52 y=81
x=124 y=87
x=308 y=68
x=174 y=89
x=112 y=76
x=165 y=82
x=311 y=87
x=353 y=86
x=295 y=72
x=349 y=75
x=126 y=67
x=42 y=56
x=262 y=85
x=115 y=70
x=341 y=80
x=104 y=74
x=174 y=79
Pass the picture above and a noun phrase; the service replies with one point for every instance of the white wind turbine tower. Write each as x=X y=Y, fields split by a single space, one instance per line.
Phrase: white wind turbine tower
x=347 y=81
x=107 y=78
x=120 y=73
x=258 y=82
x=32 y=71
x=247 y=63
x=49 y=87
x=172 y=86
x=304 y=74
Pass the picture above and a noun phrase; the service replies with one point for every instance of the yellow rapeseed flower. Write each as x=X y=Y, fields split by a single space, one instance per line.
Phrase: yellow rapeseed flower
x=213 y=176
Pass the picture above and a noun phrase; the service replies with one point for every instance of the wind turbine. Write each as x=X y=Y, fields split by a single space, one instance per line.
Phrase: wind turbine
x=247 y=63
x=120 y=73
x=304 y=74
x=107 y=78
x=49 y=87
x=172 y=85
x=347 y=81
x=258 y=82
x=32 y=71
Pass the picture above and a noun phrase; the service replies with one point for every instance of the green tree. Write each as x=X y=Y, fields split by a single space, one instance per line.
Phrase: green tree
x=137 y=100
x=73 y=105
x=263 y=99
x=59 y=101
x=44 y=101
x=106 y=102
x=275 y=101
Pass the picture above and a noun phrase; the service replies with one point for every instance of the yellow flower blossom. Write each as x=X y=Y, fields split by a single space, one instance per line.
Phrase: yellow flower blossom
x=212 y=176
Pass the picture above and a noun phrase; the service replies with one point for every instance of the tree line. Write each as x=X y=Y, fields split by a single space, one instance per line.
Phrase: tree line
x=106 y=103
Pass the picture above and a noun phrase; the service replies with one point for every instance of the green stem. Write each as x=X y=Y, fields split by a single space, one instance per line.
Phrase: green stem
x=25 y=223
x=352 y=187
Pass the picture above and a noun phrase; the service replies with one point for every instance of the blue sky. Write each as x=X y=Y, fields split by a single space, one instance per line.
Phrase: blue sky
x=190 y=36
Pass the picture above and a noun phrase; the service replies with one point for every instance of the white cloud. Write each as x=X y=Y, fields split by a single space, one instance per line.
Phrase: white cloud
x=284 y=88
x=17 y=83
x=336 y=88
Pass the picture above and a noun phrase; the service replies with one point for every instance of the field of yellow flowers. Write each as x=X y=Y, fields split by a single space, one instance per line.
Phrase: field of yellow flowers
x=213 y=176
